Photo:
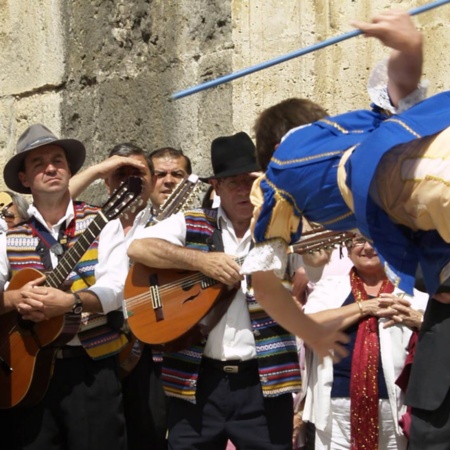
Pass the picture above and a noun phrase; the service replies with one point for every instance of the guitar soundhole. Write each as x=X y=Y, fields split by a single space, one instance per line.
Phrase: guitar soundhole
x=26 y=324
x=29 y=326
x=5 y=366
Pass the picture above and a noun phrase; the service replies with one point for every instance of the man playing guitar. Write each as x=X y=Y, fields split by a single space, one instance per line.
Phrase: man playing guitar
x=229 y=367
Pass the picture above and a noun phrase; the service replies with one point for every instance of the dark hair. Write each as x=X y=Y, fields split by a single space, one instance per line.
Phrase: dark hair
x=128 y=149
x=274 y=122
x=207 y=201
x=174 y=153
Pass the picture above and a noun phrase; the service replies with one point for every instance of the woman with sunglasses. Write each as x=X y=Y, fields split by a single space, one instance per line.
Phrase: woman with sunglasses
x=13 y=208
x=355 y=402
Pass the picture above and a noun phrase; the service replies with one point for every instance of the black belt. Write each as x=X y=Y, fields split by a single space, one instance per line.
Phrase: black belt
x=230 y=366
x=70 y=351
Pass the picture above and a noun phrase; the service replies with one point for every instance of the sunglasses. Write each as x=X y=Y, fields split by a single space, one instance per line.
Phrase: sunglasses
x=5 y=214
x=357 y=241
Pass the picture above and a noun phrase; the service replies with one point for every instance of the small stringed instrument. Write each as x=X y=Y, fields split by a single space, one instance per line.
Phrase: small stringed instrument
x=179 y=199
x=163 y=305
x=27 y=349
x=320 y=239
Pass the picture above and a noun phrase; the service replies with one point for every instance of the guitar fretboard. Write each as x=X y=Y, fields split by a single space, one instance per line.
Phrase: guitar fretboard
x=71 y=258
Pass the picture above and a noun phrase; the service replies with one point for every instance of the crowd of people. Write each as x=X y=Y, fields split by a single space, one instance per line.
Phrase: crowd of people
x=323 y=350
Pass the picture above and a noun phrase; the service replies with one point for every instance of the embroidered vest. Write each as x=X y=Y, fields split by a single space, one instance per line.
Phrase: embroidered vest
x=276 y=349
x=21 y=247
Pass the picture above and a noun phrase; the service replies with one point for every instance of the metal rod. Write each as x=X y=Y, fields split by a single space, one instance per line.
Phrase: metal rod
x=288 y=56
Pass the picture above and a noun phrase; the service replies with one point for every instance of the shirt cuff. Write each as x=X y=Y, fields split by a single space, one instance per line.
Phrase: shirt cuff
x=377 y=87
x=107 y=297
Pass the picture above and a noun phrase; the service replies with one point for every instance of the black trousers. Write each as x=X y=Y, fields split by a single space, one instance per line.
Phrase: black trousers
x=82 y=409
x=231 y=406
x=145 y=405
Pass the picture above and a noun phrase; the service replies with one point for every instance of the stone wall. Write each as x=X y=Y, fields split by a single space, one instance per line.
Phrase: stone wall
x=103 y=70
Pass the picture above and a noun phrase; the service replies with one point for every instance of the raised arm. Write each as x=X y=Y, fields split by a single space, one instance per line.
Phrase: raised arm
x=80 y=181
x=396 y=30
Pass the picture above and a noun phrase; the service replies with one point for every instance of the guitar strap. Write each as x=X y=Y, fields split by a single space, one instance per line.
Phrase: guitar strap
x=215 y=243
x=202 y=329
x=47 y=243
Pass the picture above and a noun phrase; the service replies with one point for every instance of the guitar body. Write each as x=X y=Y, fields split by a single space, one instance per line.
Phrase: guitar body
x=27 y=349
x=184 y=301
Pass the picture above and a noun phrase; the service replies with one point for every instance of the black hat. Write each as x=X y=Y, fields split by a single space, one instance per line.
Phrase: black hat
x=34 y=137
x=232 y=155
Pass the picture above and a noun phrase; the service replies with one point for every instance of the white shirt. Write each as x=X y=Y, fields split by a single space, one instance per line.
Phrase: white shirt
x=109 y=272
x=232 y=337
x=139 y=223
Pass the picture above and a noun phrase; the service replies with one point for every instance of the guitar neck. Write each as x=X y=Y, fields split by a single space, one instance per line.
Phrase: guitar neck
x=73 y=256
x=178 y=199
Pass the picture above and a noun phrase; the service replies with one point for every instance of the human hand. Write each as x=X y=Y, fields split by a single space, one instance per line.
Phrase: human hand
x=300 y=285
x=299 y=425
x=115 y=162
x=443 y=297
x=41 y=302
x=327 y=340
x=399 y=310
x=394 y=28
x=220 y=267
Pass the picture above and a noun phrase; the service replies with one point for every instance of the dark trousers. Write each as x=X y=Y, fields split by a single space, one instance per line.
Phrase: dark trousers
x=145 y=405
x=82 y=409
x=231 y=406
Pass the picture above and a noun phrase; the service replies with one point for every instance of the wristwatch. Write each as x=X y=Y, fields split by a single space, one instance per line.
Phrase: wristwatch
x=77 y=307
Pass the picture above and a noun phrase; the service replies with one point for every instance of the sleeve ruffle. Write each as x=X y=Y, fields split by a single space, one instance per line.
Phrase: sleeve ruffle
x=266 y=256
x=378 y=90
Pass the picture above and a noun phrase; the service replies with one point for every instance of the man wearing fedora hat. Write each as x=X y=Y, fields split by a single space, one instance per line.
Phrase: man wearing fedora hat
x=82 y=408
x=235 y=383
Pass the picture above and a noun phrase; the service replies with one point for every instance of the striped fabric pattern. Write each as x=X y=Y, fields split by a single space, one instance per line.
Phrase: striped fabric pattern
x=279 y=370
x=21 y=244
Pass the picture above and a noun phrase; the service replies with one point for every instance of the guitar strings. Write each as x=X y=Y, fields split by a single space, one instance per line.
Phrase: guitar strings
x=141 y=299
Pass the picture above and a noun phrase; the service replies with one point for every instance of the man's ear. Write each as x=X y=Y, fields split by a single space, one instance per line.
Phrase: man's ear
x=23 y=179
x=214 y=183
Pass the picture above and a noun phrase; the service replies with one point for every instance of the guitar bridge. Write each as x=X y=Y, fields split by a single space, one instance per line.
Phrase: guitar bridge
x=156 y=297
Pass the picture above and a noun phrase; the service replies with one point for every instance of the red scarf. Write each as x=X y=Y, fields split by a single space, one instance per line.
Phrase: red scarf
x=364 y=375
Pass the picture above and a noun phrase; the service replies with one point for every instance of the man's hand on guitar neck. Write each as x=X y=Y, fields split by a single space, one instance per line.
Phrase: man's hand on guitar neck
x=220 y=267
x=161 y=254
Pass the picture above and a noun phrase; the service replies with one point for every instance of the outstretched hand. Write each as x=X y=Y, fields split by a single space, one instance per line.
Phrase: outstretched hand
x=327 y=340
x=393 y=28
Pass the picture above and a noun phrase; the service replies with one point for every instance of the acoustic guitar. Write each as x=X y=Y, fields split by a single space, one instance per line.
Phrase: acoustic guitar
x=27 y=349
